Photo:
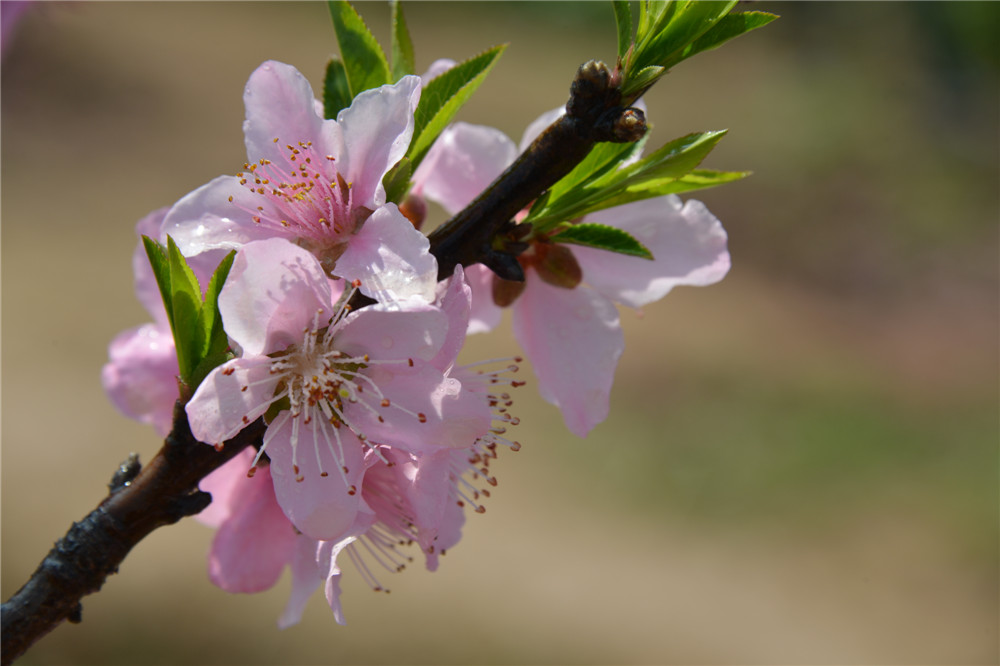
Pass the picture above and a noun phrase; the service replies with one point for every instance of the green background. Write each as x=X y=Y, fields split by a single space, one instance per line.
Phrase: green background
x=801 y=464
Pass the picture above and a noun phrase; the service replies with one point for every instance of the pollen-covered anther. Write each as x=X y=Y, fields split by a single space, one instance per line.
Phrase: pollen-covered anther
x=422 y=417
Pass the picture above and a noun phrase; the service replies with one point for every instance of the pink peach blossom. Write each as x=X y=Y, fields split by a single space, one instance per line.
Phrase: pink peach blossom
x=573 y=335
x=318 y=183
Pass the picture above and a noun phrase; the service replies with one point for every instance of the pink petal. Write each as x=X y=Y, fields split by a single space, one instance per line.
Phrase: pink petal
x=275 y=289
x=377 y=128
x=688 y=245
x=453 y=416
x=485 y=314
x=454 y=299
x=388 y=335
x=206 y=219
x=252 y=547
x=436 y=512
x=307 y=575
x=321 y=507
x=141 y=376
x=573 y=339
x=279 y=104
x=463 y=161
x=222 y=484
x=220 y=407
x=332 y=588
x=391 y=258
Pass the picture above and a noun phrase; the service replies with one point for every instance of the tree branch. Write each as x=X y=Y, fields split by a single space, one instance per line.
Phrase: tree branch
x=592 y=115
x=141 y=499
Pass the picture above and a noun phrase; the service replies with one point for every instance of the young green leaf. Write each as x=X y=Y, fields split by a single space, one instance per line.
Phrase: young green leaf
x=601 y=159
x=185 y=314
x=364 y=60
x=603 y=237
x=157 y=255
x=443 y=96
x=654 y=175
x=623 y=19
x=673 y=27
x=729 y=26
x=215 y=350
x=672 y=160
x=400 y=45
x=699 y=179
x=397 y=181
x=336 y=91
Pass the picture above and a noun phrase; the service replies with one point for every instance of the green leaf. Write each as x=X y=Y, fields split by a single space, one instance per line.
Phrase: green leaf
x=400 y=46
x=336 y=91
x=185 y=314
x=602 y=158
x=363 y=58
x=623 y=19
x=652 y=176
x=216 y=340
x=397 y=181
x=699 y=179
x=672 y=160
x=673 y=28
x=603 y=237
x=443 y=96
x=642 y=80
x=728 y=27
x=157 y=255
x=215 y=350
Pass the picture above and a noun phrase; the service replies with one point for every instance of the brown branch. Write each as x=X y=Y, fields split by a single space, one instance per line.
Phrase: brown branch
x=141 y=500
x=166 y=490
x=592 y=115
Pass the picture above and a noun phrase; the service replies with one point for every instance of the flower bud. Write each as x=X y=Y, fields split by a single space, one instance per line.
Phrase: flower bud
x=414 y=208
x=556 y=265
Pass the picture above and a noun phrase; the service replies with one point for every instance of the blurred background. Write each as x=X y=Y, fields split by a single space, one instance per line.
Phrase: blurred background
x=801 y=465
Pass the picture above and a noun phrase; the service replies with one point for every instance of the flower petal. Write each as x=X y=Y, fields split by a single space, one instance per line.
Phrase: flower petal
x=275 y=289
x=140 y=377
x=220 y=407
x=377 y=128
x=454 y=299
x=252 y=547
x=306 y=578
x=279 y=105
x=485 y=314
x=222 y=484
x=451 y=415
x=574 y=340
x=206 y=219
x=688 y=245
x=391 y=258
x=393 y=335
x=322 y=507
x=463 y=161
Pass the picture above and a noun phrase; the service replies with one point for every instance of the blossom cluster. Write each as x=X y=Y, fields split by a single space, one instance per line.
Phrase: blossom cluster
x=345 y=343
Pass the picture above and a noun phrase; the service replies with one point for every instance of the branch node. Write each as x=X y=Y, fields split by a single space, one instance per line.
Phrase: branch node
x=125 y=474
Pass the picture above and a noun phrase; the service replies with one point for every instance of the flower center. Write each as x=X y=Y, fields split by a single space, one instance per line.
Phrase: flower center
x=320 y=382
x=304 y=198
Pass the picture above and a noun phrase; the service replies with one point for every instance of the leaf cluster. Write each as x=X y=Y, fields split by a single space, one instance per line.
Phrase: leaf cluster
x=196 y=323
x=670 y=31
x=363 y=65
